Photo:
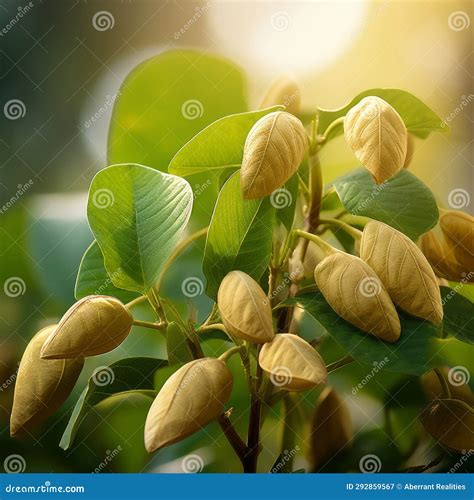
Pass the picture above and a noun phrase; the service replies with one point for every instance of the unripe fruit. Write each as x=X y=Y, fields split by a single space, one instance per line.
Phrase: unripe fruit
x=458 y=229
x=403 y=269
x=378 y=137
x=192 y=397
x=283 y=91
x=292 y=363
x=92 y=326
x=331 y=428
x=273 y=151
x=245 y=309
x=356 y=293
x=41 y=385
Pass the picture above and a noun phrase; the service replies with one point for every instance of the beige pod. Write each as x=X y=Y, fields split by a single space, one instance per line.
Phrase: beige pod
x=442 y=259
x=292 y=363
x=331 y=429
x=451 y=423
x=456 y=381
x=191 y=398
x=92 y=326
x=403 y=269
x=284 y=91
x=378 y=137
x=244 y=308
x=41 y=385
x=355 y=292
x=458 y=229
x=273 y=151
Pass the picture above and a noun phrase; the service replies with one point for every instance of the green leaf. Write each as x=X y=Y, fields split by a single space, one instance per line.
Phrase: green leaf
x=414 y=353
x=167 y=100
x=137 y=215
x=419 y=119
x=458 y=315
x=123 y=376
x=403 y=201
x=284 y=200
x=219 y=146
x=93 y=279
x=239 y=236
x=177 y=345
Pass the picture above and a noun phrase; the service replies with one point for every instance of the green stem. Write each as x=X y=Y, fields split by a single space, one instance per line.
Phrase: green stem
x=333 y=125
x=155 y=303
x=339 y=363
x=444 y=385
x=136 y=301
x=227 y=354
x=146 y=324
x=315 y=181
x=352 y=231
x=329 y=249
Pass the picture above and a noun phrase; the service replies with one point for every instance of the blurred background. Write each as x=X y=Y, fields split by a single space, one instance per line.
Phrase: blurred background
x=62 y=66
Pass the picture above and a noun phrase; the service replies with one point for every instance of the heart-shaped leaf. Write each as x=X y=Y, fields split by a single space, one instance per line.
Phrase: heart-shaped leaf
x=137 y=215
x=414 y=353
x=239 y=236
x=402 y=202
x=129 y=374
x=219 y=146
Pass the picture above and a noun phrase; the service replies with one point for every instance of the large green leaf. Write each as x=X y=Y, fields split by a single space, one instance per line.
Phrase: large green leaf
x=458 y=315
x=239 y=237
x=419 y=119
x=219 y=146
x=129 y=374
x=403 y=201
x=417 y=350
x=93 y=279
x=137 y=215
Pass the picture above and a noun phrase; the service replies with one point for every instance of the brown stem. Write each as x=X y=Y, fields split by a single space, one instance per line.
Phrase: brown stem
x=423 y=468
x=339 y=363
x=233 y=437
x=253 y=440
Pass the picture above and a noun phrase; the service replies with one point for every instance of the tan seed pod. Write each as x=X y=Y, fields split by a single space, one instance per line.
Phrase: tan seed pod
x=378 y=137
x=92 y=326
x=191 y=398
x=245 y=309
x=451 y=423
x=403 y=269
x=283 y=91
x=410 y=150
x=292 y=363
x=298 y=270
x=356 y=293
x=458 y=229
x=442 y=259
x=331 y=428
x=41 y=385
x=273 y=151
x=432 y=386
